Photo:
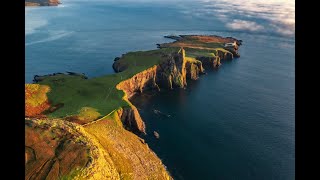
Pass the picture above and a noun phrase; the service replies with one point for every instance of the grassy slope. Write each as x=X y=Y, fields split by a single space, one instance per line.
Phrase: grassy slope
x=57 y=149
x=100 y=93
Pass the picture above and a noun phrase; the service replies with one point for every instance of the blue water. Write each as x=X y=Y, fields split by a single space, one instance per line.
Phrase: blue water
x=236 y=122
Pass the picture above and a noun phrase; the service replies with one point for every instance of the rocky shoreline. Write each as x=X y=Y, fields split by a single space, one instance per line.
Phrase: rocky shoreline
x=42 y=2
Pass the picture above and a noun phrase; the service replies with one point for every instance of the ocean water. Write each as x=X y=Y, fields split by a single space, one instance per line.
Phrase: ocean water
x=236 y=122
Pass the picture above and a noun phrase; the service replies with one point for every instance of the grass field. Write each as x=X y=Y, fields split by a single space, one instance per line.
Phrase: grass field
x=99 y=93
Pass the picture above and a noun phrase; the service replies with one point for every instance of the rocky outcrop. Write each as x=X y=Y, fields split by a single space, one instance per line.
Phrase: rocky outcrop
x=42 y=2
x=38 y=78
x=140 y=82
x=234 y=51
x=172 y=72
x=194 y=69
x=209 y=62
x=224 y=55
x=119 y=67
x=131 y=119
x=173 y=37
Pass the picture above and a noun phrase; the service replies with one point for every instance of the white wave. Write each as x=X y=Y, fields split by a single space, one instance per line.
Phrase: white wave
x=52 y=36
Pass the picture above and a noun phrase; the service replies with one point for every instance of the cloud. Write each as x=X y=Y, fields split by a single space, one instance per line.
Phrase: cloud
x=282 y=29
x=244 y=25
x=277 y=16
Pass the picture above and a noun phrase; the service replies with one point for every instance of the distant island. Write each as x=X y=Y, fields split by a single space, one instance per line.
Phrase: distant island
x=42 y=2
x=87 y=128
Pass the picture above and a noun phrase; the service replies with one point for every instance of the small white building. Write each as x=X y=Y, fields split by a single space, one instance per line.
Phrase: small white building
x=234 y=44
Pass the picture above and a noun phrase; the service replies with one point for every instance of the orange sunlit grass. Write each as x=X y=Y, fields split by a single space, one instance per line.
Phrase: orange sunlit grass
x=36 y=100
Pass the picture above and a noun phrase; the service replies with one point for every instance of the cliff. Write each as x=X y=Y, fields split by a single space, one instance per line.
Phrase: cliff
x=42 y=2
x=99 y=109
x=172 y=72
x=131 y=119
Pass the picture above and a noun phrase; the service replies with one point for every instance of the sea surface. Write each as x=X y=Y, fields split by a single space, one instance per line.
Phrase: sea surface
x=237 y=122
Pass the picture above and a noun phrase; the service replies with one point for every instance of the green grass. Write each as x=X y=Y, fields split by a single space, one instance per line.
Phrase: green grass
x=99 y=93
x=192 y=52
x=189 y=40
x=204 y=44
x=71 y=175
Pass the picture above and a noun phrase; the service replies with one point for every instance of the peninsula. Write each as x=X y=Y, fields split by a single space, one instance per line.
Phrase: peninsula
x=42 y=2
x=87 y=128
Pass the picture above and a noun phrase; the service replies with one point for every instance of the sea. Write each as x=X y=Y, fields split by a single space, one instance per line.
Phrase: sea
x=234 y=123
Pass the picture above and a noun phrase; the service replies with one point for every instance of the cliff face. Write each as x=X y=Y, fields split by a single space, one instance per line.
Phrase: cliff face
x=234 y=52
x=173 y=72
x=140 y=82
x=224 y=55
x=210 y=62
x=131 y=119
x=193 y=69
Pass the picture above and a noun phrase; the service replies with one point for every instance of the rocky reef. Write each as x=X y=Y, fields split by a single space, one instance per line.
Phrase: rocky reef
x=98 y=110
x=42 y=2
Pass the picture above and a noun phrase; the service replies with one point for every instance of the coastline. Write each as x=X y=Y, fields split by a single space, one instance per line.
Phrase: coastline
x=188 y=58
x=42 y=2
